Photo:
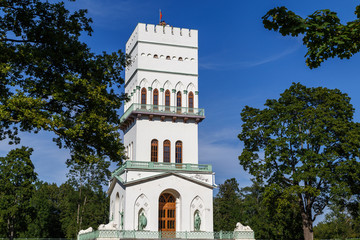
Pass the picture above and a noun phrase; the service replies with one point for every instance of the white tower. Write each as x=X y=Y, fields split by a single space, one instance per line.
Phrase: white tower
x=161 y=187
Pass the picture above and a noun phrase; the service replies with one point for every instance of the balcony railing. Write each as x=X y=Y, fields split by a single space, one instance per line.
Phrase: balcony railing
x=163 y=166
x=123 y=234
x=161 y=109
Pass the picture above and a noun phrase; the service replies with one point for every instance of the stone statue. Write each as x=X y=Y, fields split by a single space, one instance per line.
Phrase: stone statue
x=90 y=229
x=197 y=221
x=142 y=221
x=122 y=219
x=240 y=227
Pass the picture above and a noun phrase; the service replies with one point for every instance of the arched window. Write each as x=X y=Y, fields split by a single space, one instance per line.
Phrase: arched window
x=167 y=100
x=166 y=151
x=178 y=99
x=180 y=58
x=143 y=96
x=178 y=152
x=156 y=56
x=191 y=102
x=154 y=150
x=155 y=97
x=168 y=58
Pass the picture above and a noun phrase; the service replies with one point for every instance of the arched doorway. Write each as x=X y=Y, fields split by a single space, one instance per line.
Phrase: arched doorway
x=167 y=212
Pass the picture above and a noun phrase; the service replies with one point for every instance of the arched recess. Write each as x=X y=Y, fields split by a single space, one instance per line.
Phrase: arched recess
x=143 y=84
x=172 y=216
x=167 y=86
x=191 y=88
x=117 y=210
x=197 y=204
x=179 y=87
x=155 y=85
x=142 y=204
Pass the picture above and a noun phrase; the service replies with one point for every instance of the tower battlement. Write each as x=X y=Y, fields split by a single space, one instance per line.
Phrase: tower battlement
x=162 y=35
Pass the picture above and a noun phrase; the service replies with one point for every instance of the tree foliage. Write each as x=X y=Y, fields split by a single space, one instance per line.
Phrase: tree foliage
x=227 y=206
x=17 y=176
x=248 y=206
x=50 y=80
x=322 y=32
x=302 y=145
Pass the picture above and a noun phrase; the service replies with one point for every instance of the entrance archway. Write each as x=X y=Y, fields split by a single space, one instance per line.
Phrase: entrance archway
x=167 y=212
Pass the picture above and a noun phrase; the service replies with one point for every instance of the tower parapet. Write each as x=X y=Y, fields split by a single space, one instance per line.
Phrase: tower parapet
x=162 y=35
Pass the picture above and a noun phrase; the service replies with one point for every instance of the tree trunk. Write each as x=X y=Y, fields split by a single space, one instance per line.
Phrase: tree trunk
x=308 y=233
x=306 y=216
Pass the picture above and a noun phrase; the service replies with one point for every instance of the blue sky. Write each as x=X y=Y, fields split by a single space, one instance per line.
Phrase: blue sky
x=240 y=63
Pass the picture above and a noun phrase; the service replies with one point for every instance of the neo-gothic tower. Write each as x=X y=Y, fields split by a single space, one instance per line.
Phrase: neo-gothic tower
x=161 y=186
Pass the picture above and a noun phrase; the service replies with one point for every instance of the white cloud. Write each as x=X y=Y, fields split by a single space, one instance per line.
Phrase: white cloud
x=222 y=66
x=221 y=148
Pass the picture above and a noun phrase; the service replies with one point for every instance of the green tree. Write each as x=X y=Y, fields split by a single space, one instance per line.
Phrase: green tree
x=50 y=80
x=299 y=145
x=45 y=203
x=338 y=224
x=17 y=177
x=88 y=180
x=227 y=206
x=322 y=33
x=95 y=210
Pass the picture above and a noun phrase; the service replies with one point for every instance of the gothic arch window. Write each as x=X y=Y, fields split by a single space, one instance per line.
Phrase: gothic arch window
x=178 y=99
x=143 y=96
x=154 y=150
x=191 y=100
x=166 y=151
x=167 y=100
x=155 y=97
x=178 y=152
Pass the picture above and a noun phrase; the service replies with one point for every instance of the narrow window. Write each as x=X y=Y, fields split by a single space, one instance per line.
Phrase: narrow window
x=191 y=102
x=143 y=96
x=156 y=97
x=156 y=56
x=154 y=150
x=178 y=152
x=168 y=58
x=167 y=100
x=178 y=99
x=166 y=151
x=180 y=58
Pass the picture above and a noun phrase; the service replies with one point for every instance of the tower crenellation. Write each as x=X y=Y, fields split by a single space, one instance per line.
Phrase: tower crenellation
x=163 y=35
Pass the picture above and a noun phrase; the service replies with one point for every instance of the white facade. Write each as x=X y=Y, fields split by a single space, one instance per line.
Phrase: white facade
x=160 y=125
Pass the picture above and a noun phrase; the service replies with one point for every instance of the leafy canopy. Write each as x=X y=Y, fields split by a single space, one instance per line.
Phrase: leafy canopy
x=50 y=80
x=302 y=145
x=17 y=176
x=322 y=32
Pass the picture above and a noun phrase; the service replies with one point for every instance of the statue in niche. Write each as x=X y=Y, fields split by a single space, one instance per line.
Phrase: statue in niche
x=197 y=221
x=122 y=219
x=142 y=221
